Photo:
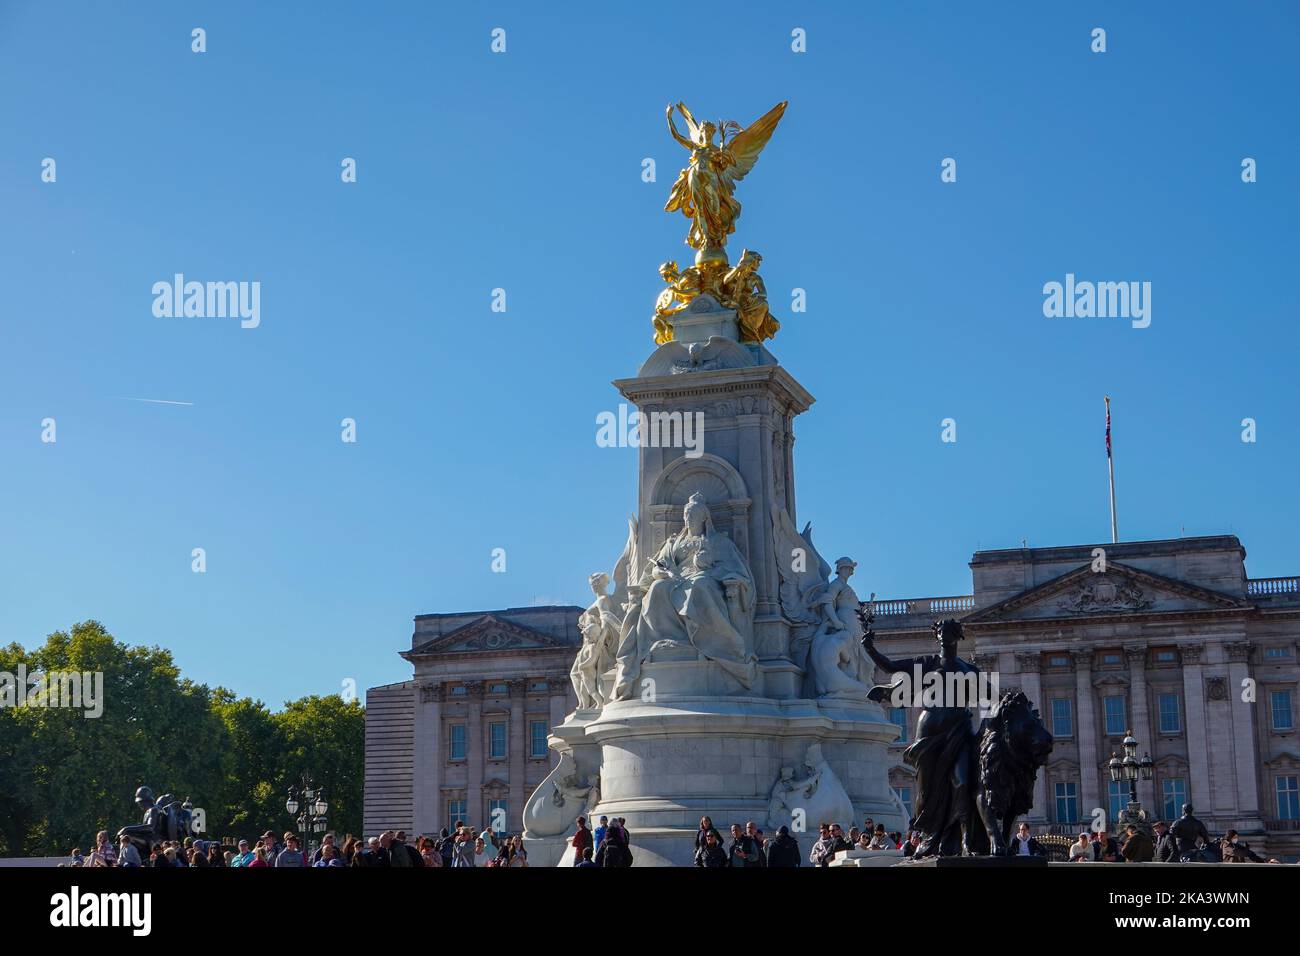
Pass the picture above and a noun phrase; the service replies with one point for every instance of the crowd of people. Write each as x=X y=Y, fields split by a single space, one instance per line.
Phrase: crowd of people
x=750 y=846
x=462 y=845
x=610 y=844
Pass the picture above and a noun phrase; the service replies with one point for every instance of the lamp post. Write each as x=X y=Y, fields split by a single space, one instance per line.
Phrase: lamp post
x=312 y=820
x=1130 y=768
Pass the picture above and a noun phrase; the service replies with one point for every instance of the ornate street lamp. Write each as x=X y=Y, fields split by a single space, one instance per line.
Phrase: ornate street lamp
x=1131 y=769
x=315 y=808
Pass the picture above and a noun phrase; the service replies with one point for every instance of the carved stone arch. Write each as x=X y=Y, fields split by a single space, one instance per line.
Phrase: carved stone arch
x=722 y=487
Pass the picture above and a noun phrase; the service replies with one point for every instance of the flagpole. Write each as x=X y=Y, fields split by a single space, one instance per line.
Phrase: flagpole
x=1110 y=465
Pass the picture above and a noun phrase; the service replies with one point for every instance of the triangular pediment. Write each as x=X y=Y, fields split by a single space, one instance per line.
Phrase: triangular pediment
x=1119 y=590
x=486 y=634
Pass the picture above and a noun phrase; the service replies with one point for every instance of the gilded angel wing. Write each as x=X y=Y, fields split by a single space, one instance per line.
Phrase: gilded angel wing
x=749 y=142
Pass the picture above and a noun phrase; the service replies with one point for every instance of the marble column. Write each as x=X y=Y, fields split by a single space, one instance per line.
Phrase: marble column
x=1029 y=665
x=1085 y=733
x=1140 y=717
x=475 y=809
x=517 y=743
x=1196 y=733
x=1243 y=733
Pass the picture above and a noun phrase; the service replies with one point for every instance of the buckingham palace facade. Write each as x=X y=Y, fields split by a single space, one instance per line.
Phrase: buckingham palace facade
x=1167 y=639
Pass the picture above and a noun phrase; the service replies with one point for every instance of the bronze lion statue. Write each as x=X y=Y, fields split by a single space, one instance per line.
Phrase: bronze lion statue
x=1012 y=745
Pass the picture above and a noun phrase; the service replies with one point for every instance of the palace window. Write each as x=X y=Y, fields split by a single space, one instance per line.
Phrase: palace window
x=1280 y=709
x=498 y=690
x=1116 y=720
x=1170 y=718
x=1117 y=792
x=1062 y=717
x=1277 y=652
x=1288 y=798
x=1058 y=660
x=1067 y=803
x=1111 y=659
x=460 y=690
x=538 y=687
x=904 y=795
x=457 y=749
x=898 y=717
x=537 y=738
x=497 y=741
x=1173 y=794
x=455 y=813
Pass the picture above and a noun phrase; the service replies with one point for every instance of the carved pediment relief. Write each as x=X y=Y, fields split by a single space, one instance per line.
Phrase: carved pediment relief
x=487 y=633
x=1119 y=590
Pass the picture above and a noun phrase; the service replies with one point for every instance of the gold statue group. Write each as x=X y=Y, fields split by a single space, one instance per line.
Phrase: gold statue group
x=704 y=192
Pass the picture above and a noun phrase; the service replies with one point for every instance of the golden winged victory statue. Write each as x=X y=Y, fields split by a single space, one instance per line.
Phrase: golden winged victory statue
x=704 y=192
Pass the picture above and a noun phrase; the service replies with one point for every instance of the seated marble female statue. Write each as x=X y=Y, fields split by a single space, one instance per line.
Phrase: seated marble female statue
x=698 y=593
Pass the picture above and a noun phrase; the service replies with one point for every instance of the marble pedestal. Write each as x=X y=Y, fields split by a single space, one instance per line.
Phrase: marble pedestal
x=664 y=765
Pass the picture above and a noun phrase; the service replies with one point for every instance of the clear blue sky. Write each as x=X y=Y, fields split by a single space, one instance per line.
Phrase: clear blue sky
x=476 y=429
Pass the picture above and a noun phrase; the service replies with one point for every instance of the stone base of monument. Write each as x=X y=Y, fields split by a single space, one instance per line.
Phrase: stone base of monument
x=979 y=862
x=867 y=858
x=663 y=765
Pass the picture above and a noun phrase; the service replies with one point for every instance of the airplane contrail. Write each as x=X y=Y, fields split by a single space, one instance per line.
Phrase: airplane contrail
x=157 y=401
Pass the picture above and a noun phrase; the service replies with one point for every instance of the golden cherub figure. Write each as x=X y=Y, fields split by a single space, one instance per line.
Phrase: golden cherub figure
x=705 y=190
x=744 y=291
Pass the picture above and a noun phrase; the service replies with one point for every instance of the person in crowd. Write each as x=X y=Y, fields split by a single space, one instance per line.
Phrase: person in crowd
x=710 y=854
x=259 y=857
x=401 y=853
x=1138 y=847
x=913 y=841
x=1236 y=851
x=706 y=827
x=244 y=856
x=1081 y=850
x=841 y=841
x=491 y=840
x=328 y=856
x=615 y=850
x=518 y=855
x=599 y=833
x=273 y=847
x=463 y=846
x=880 y=839
x=783 y=851
x=172 y=858
x=823 y=851
x=75 y=858
x=1024 y=844
x=582 y=839
x=1104 y=848
x=1166 y=847
x=445 y=846
x=1189 y=835
x=855 y=836
x=320 y=850
x=586 y=858
x=742 y=851
x=197 y=856
x=760 y=843
x=128 y=855
x=104 y=847
x=864 y=841
x=483 y=854
x=290 y=855
x=215 y=856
